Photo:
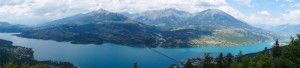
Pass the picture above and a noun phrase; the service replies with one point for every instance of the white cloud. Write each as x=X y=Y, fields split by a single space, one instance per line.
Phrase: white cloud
x=293 y=17
x=33 y=12
x=295 y=5
x=10 y=2
x=190 y=6
x=234 y=12
x=246 y=2
x=281 y=5
x=263 y=20
x=39 y=11
x=264 y=12
x=143 y=5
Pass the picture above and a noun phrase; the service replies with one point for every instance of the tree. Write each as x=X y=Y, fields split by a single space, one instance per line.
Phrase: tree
x=236 y=65
x=285 y=63
x=246 y=62
x=10 y=64
x=207 y=61
x=135 y=65
x=262 y=60
x=188 y=64
x=265 y=50
x=220 y=61
x=276 y=50
x=292 y=52
x=25 y=65
x=292 y=39
x=228 y=60
x=40 y=65
x=239 y=57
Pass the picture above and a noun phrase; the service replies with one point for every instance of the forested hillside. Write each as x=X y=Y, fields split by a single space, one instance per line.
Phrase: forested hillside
x=22 y=57
x=277 y=57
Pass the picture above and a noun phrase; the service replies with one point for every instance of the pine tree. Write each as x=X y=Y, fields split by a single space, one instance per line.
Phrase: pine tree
x=135 y=65
x=220 y=61
x=228 y=60
x=239 y=57
x=276 y=51
x=93 y=66
x=262 y=60
x=188 y=64
x=235 y=65
x=266 y=50
x=246 y=62
x=291 y=52
x=207 y=61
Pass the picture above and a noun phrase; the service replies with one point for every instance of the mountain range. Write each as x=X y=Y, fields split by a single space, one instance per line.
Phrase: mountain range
x=209 y=27
x=164 y=19
x=7 y=27
x=96 y=27
x=286 y=29
x=163 y=28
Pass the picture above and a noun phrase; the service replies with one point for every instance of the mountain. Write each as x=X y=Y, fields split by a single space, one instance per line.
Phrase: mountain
x=163 y=19
x=215 y=18
x=286 y=29
x=96 y=27
x=128 y=14
x=4 y=24
x=6 y=27
x=215 y=27
x=181 y=29
x=94 y=17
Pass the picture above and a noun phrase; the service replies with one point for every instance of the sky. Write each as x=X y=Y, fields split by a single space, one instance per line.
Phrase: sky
x=254 y=12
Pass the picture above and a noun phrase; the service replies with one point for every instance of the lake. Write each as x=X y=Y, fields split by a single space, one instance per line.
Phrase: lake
x=118 y=56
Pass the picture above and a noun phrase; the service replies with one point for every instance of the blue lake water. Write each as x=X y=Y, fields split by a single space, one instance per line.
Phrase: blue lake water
x=118 y=56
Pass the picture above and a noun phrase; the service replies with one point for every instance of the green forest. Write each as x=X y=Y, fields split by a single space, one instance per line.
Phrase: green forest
x=276 y=57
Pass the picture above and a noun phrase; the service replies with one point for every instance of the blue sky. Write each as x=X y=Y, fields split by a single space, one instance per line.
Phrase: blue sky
x=255 y=12
x=276 y=7
x=269 y=10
